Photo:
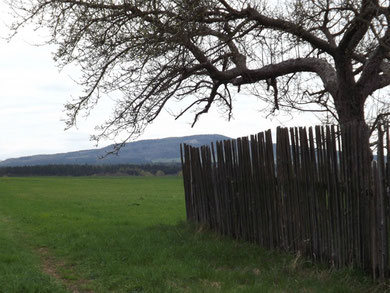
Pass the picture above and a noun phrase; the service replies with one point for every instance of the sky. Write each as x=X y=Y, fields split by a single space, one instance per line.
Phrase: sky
x=33 y=92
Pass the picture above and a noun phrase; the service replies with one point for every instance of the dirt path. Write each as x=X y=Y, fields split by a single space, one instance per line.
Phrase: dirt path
x=52 y=266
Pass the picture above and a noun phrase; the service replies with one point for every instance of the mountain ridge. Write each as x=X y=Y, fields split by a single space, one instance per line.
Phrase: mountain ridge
x=163 y=150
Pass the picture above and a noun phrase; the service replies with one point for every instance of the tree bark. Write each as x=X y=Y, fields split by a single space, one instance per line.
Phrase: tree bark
x=350 y=109
x=349 y=106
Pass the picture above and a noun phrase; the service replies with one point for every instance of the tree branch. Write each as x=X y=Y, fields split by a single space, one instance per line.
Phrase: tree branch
x=370 y=80
x=291 y=28
x=321 y=67
x=358 y=27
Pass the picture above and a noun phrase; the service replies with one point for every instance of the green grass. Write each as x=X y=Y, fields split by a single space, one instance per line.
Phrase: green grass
x=128 y=234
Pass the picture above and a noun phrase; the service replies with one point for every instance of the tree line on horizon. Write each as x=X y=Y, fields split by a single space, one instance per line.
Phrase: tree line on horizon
x=93 y=170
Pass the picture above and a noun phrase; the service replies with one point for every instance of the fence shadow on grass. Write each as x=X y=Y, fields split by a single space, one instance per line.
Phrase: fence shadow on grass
x=318 y=193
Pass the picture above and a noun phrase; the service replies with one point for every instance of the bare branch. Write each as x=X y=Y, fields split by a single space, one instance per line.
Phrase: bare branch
x=321 y=67
x=332 y=54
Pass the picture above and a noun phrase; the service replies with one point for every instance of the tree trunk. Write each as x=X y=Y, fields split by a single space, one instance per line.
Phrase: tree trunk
x=350 y=109
x=349 y=106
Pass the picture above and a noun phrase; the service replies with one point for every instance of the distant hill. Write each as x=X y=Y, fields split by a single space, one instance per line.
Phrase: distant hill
x=164 y=150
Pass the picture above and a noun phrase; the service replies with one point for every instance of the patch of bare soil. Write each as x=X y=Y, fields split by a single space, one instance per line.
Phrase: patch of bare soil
x=52 y=267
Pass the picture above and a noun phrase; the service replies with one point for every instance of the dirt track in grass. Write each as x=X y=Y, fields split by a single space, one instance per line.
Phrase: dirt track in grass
x=52 y=267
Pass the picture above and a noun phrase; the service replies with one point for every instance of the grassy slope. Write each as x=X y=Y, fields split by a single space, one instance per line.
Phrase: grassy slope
x=127 y=235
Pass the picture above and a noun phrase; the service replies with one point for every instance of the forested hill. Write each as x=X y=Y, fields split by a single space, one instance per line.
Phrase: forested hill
x=164 y=150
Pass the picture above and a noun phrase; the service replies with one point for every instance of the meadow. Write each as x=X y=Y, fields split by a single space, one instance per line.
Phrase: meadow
x=128 y=234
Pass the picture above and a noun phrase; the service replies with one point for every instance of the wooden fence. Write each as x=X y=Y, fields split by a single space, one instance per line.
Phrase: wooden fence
x=318 y=193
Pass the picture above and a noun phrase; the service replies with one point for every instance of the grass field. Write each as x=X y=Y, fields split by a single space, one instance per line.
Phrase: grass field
x=127 y=234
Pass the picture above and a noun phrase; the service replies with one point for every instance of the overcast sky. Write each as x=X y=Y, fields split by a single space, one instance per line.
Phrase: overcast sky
x=33 y=93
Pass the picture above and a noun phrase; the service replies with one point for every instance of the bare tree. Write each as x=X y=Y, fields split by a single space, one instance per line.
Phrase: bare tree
x=316 y=55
